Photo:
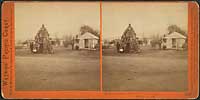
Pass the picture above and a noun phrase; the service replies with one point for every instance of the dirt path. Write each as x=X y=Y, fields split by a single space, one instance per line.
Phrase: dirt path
x=145 y=72
x=57 y=72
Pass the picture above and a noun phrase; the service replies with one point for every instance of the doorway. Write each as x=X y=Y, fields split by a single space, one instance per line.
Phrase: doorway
x=173 y=43
x=86 y=41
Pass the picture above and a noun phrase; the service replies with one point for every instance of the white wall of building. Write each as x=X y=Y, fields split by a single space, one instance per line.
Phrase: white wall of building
x=92 y=40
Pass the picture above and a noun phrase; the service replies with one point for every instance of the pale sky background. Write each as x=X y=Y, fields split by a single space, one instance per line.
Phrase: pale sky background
x=59 y=18
x=62 y=18
x=146 y=18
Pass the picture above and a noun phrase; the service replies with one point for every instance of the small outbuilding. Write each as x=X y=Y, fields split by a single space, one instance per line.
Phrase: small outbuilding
x=86 y=40
x=174 y=40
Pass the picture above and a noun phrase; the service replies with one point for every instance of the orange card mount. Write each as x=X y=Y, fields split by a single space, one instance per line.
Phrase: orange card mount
x=8 y=78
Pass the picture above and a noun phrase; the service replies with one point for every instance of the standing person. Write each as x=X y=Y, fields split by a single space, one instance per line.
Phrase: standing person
x=31 y=47
x=164 y=44
x=72 y=43
x=160 y=44
x=117 y=46
x=50 y=48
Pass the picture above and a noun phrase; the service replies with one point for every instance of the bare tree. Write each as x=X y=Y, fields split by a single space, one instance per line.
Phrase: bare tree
x=68 y=40
x=156 y=40
x=57 y=40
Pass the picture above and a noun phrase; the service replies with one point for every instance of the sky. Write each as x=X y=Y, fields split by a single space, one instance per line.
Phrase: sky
x=60 y=18
x=146 y=18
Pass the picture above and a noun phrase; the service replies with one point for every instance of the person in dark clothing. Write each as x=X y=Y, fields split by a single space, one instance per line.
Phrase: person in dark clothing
x=118 y=46
x=31 y=47
x=72 y=43
x=160 y=44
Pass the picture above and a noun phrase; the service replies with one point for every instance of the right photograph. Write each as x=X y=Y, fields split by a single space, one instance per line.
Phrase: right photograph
x=144 y=46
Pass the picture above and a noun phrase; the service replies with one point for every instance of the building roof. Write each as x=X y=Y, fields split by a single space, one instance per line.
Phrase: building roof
x=175 y=35
x=88 y=35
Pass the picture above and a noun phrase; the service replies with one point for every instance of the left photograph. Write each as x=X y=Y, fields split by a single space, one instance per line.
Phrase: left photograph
x=57 y=46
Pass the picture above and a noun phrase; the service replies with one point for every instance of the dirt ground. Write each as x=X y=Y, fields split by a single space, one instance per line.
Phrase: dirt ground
x=64 y=70
x=150 y=70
